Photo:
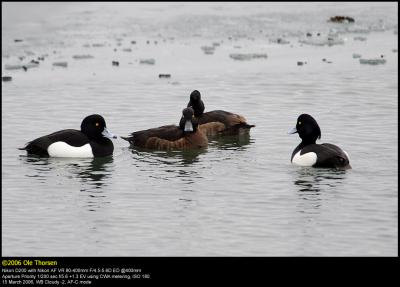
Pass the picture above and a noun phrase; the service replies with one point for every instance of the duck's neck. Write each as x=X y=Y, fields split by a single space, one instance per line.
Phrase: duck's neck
x=306 y=142
x=198 y=108
x=101 y=140
x=182 y=123
x=303 y=144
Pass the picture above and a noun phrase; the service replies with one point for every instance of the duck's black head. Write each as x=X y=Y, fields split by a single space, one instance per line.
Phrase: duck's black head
x=196 y=103
x=94 y=127
x=195 y=96
x=307 y=128
x=188 y=122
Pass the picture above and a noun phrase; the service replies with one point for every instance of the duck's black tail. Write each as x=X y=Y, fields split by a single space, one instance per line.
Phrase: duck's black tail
x=129 y=139
x=33 y=149
x=241 y=128
x=246 y=126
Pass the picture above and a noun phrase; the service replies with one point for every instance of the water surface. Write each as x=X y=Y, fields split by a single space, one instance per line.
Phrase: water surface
x=241 y=196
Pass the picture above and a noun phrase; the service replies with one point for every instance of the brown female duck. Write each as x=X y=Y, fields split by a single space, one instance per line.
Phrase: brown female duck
x=217 y=122
x=171 y=137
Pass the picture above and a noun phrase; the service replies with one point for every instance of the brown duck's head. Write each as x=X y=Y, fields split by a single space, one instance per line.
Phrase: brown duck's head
x=188 y=122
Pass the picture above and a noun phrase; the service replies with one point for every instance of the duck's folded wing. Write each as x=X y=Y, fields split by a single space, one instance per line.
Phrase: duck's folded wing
x=329 y=155
x=227 y=118
x=169 y=132
x=163 y=144
x=70 y=136
x=189 y=141
x=212 y=128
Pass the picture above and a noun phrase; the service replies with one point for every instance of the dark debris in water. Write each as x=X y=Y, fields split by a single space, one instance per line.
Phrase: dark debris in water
x=341 y=19
x=360 y=38
x=80 y=57
x=98 y=45
x=166 y=76
x=377 y=61
x=60 y=64
x=25 y=67
x=247 y=57
x=281 y=41
x=208 y=50
x=148 y=61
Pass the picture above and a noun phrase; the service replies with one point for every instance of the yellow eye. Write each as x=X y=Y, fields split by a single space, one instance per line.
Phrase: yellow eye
x=97 y=124
x=299 y=123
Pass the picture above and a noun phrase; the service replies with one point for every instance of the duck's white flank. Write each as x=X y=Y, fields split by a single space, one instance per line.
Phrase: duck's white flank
x=307 y=159
x=61 y=149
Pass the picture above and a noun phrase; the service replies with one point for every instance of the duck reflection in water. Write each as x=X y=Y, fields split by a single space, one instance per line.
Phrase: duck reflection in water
x=313 y=183
x=313 y=180
x=231 y=142
x=168 y=165
x=176 y=157
x=94 y=171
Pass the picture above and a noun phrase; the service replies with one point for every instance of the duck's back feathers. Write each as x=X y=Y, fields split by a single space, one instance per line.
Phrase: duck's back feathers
x=71 y=137
x=227 y=118
x=332 y=155
x=328 y=155
x=168 y=132
x=212 y=128
x=233 y=123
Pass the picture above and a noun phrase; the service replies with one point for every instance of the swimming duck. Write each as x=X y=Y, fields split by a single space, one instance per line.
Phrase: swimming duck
x=171 y=137
x=219 y=122
x=93 y=140
x=308 y=153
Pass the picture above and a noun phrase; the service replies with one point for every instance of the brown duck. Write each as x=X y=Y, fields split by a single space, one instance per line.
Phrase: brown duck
x=217 y=122
x=171 y=137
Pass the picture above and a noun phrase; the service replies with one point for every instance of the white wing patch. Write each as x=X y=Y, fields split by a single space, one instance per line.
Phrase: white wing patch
x=61 y=149
x=307 y=159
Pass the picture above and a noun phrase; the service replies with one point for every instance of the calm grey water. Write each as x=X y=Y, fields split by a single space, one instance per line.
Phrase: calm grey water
x=241 y=196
